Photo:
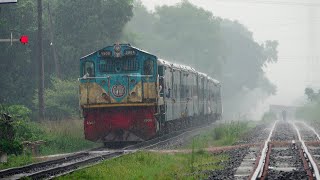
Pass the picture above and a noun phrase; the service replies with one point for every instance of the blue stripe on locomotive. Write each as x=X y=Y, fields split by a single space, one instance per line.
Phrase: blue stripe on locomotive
x=116 y=69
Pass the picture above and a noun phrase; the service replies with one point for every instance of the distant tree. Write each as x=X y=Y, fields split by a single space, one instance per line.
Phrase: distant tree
x=17 y=62
x=219 y=47
x=83 y=26
x=79 y=27
x=62 y=99
x=310 y=111
x=270 y=50
x=312 y=96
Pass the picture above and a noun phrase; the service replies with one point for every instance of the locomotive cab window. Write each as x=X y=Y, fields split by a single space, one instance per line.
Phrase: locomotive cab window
x=88 y=69
x=148 y=67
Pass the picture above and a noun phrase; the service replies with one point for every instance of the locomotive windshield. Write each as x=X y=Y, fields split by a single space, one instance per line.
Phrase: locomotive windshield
x=88 y=69
x=148 y=67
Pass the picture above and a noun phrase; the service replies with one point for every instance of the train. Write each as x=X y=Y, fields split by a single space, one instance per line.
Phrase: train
x=128 y=95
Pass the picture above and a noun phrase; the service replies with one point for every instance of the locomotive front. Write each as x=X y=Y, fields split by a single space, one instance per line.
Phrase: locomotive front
x=119 y=94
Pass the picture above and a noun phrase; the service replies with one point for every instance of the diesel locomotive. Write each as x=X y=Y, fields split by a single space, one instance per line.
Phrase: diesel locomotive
x=128 y=95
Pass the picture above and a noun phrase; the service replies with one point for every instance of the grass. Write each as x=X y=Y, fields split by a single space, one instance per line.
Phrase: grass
x=64 y=136
x=15 y=161
x=67 y=136
x=222 y=135
x=60 y=137
x=152 y=165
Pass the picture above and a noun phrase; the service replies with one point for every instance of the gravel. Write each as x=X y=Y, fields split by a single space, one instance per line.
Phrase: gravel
x=284 y=131
x=306 y=133
x=235 y=159
x=257 y=135
x=286 y=157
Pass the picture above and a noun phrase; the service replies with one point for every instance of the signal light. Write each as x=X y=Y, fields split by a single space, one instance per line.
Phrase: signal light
x=24 y=39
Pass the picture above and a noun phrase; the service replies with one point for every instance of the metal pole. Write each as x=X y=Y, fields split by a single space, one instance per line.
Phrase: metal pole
x=55 y=58
x=41 y=64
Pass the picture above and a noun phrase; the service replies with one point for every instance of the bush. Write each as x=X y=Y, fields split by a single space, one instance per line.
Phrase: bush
x=10 y=137
x=60 y=136
x=61 y=100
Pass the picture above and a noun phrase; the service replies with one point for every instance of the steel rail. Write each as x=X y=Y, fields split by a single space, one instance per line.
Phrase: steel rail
x=267 y=162
x=305 y=149
x=305 y=164
x=55 y=168
x=13 y=171
x=57 y=171
x=312 y=129
x=259 y=170
x=166 y=137
x=166 y=140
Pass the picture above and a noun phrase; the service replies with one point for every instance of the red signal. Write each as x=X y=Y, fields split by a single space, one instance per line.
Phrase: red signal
x=24 y=39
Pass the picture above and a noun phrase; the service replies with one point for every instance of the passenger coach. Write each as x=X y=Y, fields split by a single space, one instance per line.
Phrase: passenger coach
x=128 y=95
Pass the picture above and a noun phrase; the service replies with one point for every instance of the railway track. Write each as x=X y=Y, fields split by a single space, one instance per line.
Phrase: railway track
x=292 y=151
x=54 y=168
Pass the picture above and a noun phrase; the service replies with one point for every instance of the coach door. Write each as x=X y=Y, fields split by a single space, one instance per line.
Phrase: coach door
x=168 y=92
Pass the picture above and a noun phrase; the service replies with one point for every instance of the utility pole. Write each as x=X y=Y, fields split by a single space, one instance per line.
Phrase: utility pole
x=52 y=44
x=40 y=63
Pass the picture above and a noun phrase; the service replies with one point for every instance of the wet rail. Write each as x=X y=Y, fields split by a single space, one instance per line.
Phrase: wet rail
x=287 y=153
x=53 y=168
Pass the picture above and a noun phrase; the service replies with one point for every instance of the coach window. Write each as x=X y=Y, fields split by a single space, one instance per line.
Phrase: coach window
x=148 y=67
x=88 y=69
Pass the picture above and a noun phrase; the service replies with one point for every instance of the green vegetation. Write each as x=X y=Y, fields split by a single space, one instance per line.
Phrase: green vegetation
x=222 y=135
x=59 y=136
x=61 y=99
x=224 y=49
x=150 y=165
x=64 y=136
x=102 y=22
x=16 y=161
x=310 y=111
x=184 y=33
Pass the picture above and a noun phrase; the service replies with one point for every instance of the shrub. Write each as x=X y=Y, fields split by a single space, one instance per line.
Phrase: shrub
x=9 y=137
x=61 y=100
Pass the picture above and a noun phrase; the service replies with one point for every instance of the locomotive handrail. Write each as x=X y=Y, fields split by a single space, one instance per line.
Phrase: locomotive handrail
x=88 y=78
x=140 y=75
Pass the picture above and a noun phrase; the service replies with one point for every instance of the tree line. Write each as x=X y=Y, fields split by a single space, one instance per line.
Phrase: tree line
x=224 y=49
x=182 y=33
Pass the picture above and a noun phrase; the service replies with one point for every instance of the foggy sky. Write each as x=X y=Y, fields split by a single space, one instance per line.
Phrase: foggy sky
x=295 y=24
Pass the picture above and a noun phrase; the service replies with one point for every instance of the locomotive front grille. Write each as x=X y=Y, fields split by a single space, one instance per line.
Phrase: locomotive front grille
x=119 y=65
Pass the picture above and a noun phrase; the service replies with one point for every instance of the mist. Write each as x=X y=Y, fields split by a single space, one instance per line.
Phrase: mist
x=293 y=24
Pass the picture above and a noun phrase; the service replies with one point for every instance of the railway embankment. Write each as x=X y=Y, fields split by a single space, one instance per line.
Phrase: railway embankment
x=195 y=155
